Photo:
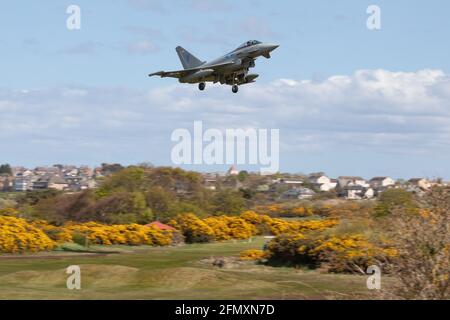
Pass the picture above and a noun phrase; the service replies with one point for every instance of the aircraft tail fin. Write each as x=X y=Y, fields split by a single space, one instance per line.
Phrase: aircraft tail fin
x=187 y=59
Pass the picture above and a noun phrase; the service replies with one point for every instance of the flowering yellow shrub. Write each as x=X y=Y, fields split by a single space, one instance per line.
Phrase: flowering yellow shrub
x=252 y=254
x=130 y=234
x=275 y=226
x=17 y=235
x=344 y=253
x=57 y=234
x=226 y=228
x=338 y=253
x=193 y=228
x=310 y=225
x=252 y=217
x=9 y=212
x=265 y=224
x=285 y=210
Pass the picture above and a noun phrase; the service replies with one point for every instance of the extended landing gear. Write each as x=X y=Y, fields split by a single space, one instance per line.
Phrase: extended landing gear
x=235 y=88
x=201 y=86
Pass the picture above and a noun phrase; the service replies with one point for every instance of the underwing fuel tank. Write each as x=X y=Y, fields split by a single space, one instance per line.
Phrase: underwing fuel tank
x=251 y=76
x=197 y=75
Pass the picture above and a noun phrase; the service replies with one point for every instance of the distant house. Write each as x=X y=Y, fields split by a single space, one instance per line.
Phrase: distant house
x=232 y=171
x=415 y=189
x=318 y=178
x=49 y=181
x=263 y=188
x=344 y=181
x=160 y=226
x=422 y=183
x=381 y=182
x=210 y=184
x=298 y=193
x=291 y=183
x=182 y=188
x=210 y=180
x=369 y=193
x=98 y=173
x=357 y=192
x=88 y=184
x=322 y=182
x=73 y=180
x=6 y=182
x=22 y=184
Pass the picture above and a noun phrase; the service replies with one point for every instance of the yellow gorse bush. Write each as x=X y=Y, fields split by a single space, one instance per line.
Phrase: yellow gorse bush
x=252 y=254
x=17 y=235
x=57 y=234
x=130 y=234
x=342 y=253
x=346 y=253
x=193 y=228
x=226 y=228
x=275 y=226
x=244 y=226
x=283 y=210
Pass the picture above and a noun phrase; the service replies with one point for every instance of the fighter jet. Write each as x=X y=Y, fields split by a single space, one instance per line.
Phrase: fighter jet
x=231 y=69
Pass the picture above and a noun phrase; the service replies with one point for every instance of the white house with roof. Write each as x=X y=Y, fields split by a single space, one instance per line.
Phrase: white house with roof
x=381 y=182
x=292 y=183
x=318 y=178
x=298 y=193
x=322 y=182
x=422 y=183
x=344 y=181
x=357 y=192
x=233 y=171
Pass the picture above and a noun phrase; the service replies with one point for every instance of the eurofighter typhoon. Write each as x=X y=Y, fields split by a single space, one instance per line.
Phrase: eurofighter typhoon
x=231 y=69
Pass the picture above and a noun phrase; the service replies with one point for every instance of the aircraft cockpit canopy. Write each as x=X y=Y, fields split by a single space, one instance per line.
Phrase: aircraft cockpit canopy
x=248 y=44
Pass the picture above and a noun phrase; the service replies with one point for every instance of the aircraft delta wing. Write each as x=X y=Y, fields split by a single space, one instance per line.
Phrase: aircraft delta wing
x=182 y=73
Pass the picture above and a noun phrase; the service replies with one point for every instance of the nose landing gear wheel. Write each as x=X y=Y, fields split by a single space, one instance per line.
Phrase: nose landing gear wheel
x=201 y=86
x=235 y=88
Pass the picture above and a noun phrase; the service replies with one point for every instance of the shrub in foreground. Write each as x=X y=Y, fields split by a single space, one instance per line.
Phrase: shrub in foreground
x=345 y=253
x=252 y=254
x=17 y=235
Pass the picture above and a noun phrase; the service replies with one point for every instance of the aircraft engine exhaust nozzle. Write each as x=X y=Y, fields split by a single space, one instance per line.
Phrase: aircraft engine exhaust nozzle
x=197 y=75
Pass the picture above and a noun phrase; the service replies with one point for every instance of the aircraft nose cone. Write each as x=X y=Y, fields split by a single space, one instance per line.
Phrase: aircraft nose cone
x=272 y=47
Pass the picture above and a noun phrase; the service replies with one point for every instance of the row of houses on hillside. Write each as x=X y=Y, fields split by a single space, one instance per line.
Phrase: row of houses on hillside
x=58 y=177
x=307 y=186
x=355 y=187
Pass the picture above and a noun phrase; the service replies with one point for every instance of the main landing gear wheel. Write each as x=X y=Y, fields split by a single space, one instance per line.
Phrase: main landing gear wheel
x=235 y=88
x=201 y=86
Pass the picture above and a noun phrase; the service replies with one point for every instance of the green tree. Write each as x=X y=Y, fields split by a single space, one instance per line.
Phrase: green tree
x=131 y=179
x=229 y=202
x=394 y=198
x=160 y=202
x=124 y=207
x=5 y=169
x=243 y=175
x=109 y=168
x=33 y=197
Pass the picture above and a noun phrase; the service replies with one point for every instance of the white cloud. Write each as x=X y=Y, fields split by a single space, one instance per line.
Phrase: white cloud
x=347 y=116
x=142 y=47
x=257 y=27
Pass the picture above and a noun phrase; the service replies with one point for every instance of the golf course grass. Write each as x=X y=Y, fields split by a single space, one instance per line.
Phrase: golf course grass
x=168 y=273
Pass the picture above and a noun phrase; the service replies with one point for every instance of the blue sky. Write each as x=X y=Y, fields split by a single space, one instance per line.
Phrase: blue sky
x=83 y=96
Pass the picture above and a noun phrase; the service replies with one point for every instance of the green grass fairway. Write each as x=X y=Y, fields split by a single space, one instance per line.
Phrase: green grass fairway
x=167 y=273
